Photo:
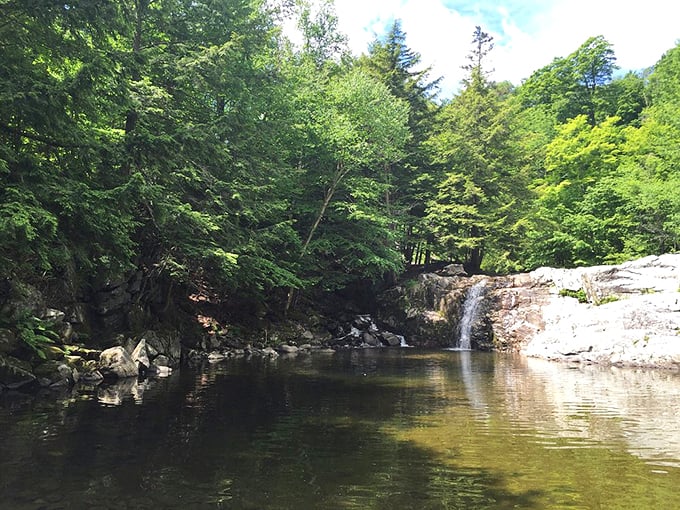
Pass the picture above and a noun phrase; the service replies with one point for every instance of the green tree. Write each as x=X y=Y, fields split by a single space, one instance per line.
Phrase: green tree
x=391 y=61
x=471 y=211
x=356 y=128
x=574 y=85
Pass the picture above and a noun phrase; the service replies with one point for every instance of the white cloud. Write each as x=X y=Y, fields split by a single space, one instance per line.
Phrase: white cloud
x=525 y=39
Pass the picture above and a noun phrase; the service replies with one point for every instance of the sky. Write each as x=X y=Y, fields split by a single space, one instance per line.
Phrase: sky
x=528 y=34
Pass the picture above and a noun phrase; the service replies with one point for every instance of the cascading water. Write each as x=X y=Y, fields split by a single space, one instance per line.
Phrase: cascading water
x=471 y=310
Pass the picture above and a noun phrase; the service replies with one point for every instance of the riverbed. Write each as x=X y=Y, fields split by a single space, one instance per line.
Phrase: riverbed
x=374 y=428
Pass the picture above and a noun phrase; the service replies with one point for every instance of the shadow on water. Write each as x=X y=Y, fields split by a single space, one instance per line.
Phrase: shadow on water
x=276 y=435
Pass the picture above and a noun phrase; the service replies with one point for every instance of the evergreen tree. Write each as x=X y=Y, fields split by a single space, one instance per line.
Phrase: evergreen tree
x=470 y=212
x=391 y=61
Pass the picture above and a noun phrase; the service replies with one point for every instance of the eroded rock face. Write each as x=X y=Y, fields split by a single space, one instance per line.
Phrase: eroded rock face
x=628 y=314
x=632 y=316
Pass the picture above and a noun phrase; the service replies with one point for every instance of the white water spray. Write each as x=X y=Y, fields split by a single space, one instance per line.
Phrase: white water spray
x=471 y=311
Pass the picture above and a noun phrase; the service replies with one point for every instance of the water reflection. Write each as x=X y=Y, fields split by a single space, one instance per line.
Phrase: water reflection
x=359 y=429
x=632 y=407
x=474 y=383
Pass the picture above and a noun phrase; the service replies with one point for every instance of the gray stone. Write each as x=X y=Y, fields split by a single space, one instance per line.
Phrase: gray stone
x=269 y=352
x=370 y=339
x=391 y=339
x=93 y=377
x=8 y=341
x=161 y=361
x=140 y=356
x=53 y=316
x=117 y=362
x=288 y=349
x=165 y=342
x=453 y=270
x=163 y=371
x=216 y=356
x=65 y=372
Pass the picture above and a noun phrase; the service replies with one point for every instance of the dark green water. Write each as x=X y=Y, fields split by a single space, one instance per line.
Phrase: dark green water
x=383 y=429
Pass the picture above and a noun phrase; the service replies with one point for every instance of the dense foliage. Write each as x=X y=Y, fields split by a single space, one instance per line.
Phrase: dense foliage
x=192 y=141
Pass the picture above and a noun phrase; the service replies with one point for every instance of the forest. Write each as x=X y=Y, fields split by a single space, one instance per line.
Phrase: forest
x=191 y=141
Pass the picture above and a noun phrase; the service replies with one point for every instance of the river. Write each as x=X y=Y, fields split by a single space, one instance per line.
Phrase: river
x=365 y=429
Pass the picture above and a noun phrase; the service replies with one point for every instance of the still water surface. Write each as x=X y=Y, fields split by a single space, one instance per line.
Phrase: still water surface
x=370 y=429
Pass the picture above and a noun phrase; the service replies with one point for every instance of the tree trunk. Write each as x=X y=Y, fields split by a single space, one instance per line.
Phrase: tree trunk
x=340 y=172
x=474 y=261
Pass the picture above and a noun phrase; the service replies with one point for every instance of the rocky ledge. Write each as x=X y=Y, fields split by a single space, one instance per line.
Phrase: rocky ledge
x=628 y=314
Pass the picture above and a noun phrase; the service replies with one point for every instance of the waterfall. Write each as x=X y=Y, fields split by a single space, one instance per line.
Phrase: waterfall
x=471 y=309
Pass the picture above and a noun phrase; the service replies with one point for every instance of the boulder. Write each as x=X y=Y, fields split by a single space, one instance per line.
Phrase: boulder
x=165 y=342
x=55 y=373
x=288 y=349
x=94 y=377
x=116 y=362
x=370 y=339
x=453 y=270
x=269 y=352
x=390 y=339
x=141 y=356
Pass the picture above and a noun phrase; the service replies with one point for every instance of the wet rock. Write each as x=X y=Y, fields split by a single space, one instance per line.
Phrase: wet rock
x=288 y=349
x=162 y=371
x=83 y=352
x=631 y=313
x=390 y=339
x=15 y=373
x=216 y=356
x=370 y=339
x=116 y=362
x=270 y=353
x=94 y=377
x=53 y=316
x=8 y=341
x=53 y=352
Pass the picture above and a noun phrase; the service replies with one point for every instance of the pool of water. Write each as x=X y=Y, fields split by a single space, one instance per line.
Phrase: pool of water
x=392 y=429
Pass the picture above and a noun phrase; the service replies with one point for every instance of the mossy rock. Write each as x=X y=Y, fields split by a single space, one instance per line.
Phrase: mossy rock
x=83 y=352
x=53 y=352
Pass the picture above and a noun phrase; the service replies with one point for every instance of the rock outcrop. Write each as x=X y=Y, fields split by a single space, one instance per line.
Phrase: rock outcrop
x=627 y=314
